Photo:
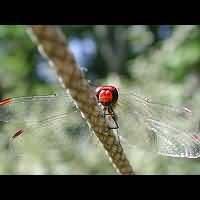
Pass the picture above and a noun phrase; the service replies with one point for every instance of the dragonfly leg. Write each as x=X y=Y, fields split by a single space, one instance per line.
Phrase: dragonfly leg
x=114 y=117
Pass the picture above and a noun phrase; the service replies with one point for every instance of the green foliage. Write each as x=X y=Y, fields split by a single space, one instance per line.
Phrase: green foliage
x=184 y=60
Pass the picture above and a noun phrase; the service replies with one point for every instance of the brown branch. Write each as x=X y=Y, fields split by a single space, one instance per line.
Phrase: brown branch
x=51 y=43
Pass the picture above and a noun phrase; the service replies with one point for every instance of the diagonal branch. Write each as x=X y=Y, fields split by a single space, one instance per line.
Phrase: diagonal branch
x=51 y=43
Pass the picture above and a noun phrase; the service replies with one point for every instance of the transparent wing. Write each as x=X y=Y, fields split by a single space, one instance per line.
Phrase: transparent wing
x=29 y=108
x=30 y=113
x=175 y=129
x=175 y=143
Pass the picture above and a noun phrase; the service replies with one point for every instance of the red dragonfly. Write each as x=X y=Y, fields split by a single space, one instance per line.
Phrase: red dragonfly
x=173 y=130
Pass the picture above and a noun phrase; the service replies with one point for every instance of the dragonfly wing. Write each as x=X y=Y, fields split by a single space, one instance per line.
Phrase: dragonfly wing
x=30 y=108
x=181 y=117
x=25 y=114
x=171 y=142
x=172 y=127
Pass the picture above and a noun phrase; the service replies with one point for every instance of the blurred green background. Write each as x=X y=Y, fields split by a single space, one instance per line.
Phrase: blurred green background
x=158 y=61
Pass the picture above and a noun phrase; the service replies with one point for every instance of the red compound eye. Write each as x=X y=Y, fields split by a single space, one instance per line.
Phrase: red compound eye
x=105 y=96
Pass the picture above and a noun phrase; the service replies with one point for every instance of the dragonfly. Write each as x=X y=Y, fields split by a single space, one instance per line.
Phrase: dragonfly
x=172 y=130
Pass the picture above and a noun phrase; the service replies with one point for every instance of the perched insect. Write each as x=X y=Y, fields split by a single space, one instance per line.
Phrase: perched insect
x=107 y=97
x=174 y=129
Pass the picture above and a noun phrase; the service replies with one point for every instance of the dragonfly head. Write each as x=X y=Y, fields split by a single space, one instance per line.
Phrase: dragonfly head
x=107 y=95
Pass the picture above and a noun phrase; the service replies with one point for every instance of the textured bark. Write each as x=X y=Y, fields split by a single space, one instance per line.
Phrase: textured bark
x=51 y=43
